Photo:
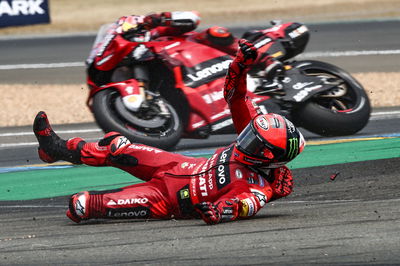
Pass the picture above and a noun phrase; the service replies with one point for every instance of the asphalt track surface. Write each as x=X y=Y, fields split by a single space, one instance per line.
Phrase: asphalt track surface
x=373 y=37
x=352 y=220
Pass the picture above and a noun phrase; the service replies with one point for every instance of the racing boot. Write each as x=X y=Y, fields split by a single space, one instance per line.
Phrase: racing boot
x=51 y=147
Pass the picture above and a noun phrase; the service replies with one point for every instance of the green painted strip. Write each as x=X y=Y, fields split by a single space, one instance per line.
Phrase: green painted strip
x=60 y=182
x=347 y=152
x=36 y=184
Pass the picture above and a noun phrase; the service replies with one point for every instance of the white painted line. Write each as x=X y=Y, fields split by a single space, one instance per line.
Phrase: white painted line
x=349 y=53
x=394 y=112
x=31 y=206
x=7 y=145
x=374 y=116
x=384 y=115
x=305 y=55
x=29 y=133
x=19 y=144
x=42 y=65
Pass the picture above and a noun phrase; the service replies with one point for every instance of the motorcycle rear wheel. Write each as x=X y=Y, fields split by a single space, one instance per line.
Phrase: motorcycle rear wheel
x=333 y=116
x=111 y=115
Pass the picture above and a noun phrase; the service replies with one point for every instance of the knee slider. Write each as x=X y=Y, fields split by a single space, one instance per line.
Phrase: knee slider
x=115 y=142
x=78 y=207
x=106 y=140
x=118 y=145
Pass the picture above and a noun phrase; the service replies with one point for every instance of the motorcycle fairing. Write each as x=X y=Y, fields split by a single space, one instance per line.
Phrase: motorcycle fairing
x=199 y=64
x=105 y=33
x=201 y=76
x=114 y=50
x=300 y=87
x=210 y=112
x=294 y=36
x=206 y=71
x=205 y=101
x=131 y=95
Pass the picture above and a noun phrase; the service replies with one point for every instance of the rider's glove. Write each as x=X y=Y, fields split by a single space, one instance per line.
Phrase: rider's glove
x=223 y=211
x=283 y=182
x=246 y=54
x=209 y=212
x=154 y=20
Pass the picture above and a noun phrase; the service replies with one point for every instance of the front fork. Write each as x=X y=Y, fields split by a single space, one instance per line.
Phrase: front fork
x=134 y=96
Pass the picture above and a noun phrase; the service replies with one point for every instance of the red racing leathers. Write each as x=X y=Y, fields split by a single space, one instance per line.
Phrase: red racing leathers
x=219 y=187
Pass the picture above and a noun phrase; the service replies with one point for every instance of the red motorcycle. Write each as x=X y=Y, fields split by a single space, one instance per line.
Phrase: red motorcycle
x=184 y=96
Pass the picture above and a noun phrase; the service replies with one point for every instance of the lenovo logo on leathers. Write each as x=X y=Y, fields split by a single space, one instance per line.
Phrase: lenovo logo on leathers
x=223 y=177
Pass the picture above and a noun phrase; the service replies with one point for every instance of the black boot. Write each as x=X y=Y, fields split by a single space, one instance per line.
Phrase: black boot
x=51 y=147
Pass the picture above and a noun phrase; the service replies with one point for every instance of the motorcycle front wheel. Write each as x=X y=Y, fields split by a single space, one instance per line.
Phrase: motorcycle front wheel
x=345 y=110
x=147 y=127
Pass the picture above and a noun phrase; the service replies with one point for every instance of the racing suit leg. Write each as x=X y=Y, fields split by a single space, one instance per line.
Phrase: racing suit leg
x=145 y=200
x=140 y=160
x=152 y=199
x=112 y=150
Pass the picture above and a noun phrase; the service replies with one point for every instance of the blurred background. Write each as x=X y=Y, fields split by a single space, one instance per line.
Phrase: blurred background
x=35 y=76
x=72 y=16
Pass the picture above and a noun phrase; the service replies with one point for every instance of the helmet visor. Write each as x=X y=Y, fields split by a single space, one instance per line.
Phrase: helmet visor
x=252 y=145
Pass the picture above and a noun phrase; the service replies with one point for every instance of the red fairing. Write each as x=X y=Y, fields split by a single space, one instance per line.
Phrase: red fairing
x=166 y=31
x=112 y=51
x=277 y=31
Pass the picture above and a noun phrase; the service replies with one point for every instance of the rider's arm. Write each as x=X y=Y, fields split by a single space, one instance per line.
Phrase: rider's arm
x=172 y=23
x=235 y=88
x=242 y=201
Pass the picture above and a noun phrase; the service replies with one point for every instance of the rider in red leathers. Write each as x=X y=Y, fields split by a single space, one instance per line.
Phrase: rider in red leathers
x=234 y=183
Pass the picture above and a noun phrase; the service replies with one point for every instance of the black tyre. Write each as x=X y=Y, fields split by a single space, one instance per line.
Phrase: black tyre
x=344 y=110
x=139 y=127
